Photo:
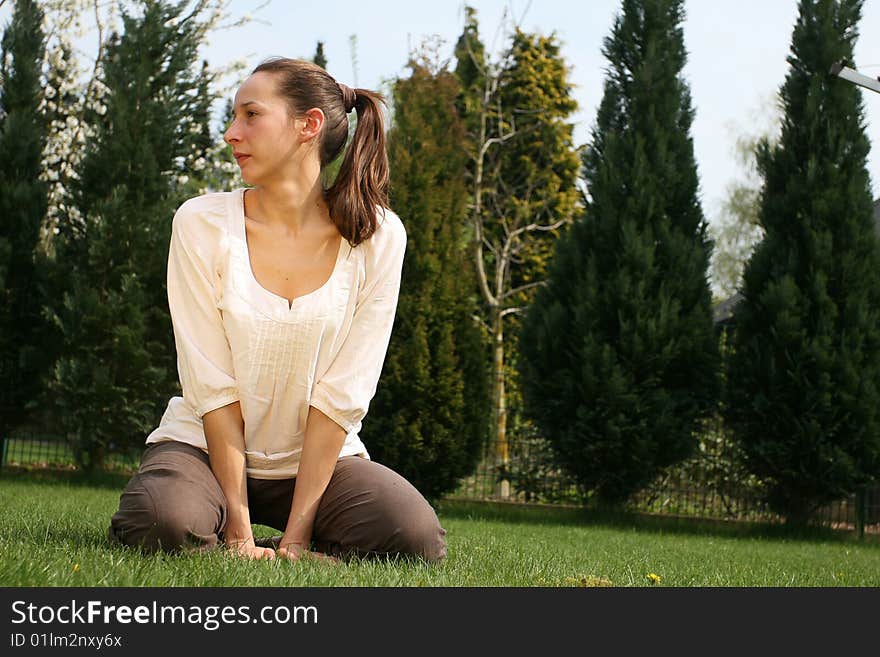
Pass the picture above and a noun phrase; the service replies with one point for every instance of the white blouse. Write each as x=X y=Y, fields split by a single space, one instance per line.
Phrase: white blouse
x=237 y=341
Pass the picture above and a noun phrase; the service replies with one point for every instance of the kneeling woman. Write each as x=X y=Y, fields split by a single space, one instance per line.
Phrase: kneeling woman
x=282 y=298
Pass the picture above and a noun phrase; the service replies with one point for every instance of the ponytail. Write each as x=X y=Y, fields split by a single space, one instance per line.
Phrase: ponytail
x=360 y=190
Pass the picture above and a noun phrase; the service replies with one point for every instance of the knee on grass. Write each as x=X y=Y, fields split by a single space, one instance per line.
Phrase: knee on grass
x=425 y=540
x=416 y=532
x=137 y=523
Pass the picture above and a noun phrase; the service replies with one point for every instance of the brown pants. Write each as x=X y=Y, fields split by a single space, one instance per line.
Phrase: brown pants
x=174 y=502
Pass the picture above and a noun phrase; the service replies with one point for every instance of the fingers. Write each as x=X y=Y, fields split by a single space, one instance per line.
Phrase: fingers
x=247 y=550
x=255 y=553
x=296 y=553
x=291 y=552
x=263 y=553
x=323 y=557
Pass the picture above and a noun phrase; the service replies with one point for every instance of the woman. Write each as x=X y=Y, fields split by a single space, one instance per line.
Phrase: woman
x=282 y=298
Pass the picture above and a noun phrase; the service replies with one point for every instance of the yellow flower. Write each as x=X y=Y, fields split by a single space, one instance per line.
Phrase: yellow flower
x=653 y=578
x=76 y=567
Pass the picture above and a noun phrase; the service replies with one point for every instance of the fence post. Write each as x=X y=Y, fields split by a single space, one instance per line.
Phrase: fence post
x=861 y=510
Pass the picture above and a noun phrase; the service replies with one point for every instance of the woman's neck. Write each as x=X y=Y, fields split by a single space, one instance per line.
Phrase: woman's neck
x=294 y=205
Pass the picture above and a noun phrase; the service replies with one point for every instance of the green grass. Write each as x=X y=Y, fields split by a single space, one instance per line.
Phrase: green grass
x=53 y=533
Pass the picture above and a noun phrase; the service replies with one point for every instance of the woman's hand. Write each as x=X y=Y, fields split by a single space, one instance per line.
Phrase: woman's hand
x=244 y=547
x=294 y=551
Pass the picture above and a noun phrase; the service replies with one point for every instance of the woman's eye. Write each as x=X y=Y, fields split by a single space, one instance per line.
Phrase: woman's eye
x=250 y=113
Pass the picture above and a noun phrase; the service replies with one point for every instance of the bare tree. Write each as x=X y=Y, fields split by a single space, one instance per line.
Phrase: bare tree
x=512 y=212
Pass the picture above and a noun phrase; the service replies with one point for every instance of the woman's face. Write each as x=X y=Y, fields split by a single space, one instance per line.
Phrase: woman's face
x=263 y=135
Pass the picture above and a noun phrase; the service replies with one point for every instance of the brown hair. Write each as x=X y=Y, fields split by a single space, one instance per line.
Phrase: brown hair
x=361 y=186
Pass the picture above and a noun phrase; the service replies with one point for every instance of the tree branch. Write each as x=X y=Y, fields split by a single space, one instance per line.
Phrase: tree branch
x=196 y=10
x=496 y=140
x=481 y=269
x=533 y=227
x=479 y=320
x=523 y=288
x=491 y=246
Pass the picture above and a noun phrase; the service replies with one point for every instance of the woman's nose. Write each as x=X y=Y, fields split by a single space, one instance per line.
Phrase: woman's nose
x=231 y=134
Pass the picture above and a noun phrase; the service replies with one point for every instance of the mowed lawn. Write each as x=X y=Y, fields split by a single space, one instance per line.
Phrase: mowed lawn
x=53 y=533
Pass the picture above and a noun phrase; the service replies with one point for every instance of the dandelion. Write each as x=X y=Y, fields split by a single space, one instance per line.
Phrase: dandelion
x=654 y=578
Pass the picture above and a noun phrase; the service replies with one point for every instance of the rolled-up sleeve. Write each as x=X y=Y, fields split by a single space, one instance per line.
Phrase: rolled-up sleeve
x=343 y=393
x=204 y=359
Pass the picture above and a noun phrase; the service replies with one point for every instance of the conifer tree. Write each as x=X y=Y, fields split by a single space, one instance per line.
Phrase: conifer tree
x=209 y=166
x=320 y=58
x=203 y=139
x=429 y=419
x=23 y=201
x=118 y=366
x=474 y=74
x=804 y=378
x=619 y=355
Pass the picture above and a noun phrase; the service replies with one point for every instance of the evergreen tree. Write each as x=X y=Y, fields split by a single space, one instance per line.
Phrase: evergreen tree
x=536 y=172
x=320 y=59
x=619 y=354
x=203 y=139
x=522 y=173
x=472 y=70
x=118 y=366
x=23 y=201
x=804 y=376
x=209 y=166
x=429 y=417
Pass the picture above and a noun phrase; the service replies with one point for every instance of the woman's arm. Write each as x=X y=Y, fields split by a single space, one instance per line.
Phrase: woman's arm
x=322 y=443
x=224 y=433
x=204 y=361
x=341 y=397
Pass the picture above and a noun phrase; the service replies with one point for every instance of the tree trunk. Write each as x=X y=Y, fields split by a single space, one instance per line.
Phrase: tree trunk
x=499 y=407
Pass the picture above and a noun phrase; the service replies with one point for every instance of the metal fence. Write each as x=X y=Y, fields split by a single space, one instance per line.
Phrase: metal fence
x=52 y=452
x=710 y=485
x=713 y=484
x=36 y=451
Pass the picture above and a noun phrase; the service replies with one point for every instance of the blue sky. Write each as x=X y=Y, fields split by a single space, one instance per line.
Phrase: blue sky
x=737 y=51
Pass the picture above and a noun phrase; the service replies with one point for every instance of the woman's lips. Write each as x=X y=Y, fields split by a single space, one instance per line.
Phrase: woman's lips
x=241 y=157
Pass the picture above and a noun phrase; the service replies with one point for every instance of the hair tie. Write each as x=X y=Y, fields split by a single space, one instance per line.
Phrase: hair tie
x=349 y=96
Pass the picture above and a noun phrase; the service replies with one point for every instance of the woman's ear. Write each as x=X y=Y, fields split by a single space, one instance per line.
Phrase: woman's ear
x=314 y=123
